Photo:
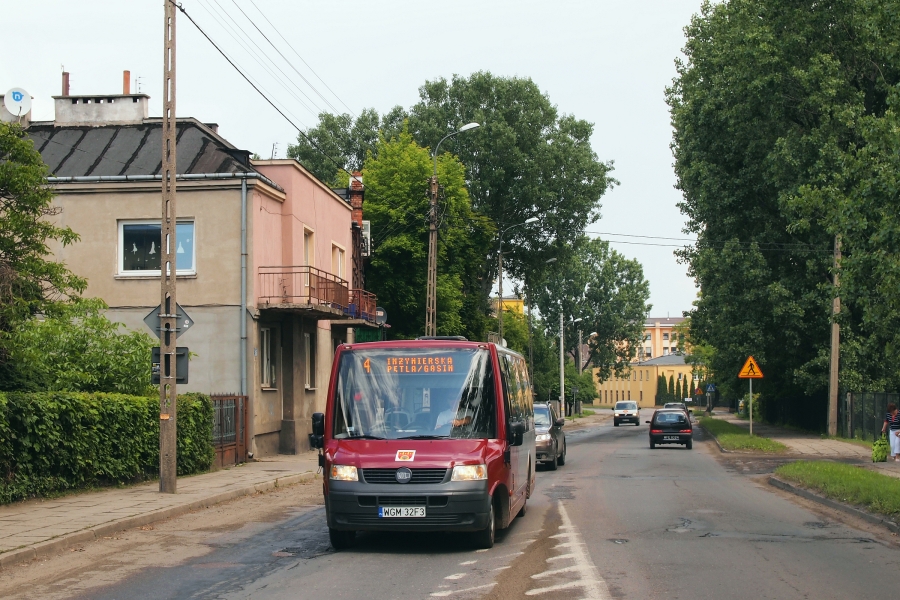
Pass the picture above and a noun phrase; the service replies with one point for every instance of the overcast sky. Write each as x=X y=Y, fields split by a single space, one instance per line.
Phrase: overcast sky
x=606 y=61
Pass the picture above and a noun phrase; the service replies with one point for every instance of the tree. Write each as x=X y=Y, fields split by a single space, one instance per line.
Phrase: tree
x=396 y=178
x=343 y=142
x=671 y=389
x=785 y=138
x=608 y=292
x=30 y=283
x=525 y=160
x=78 y=350
x=661 y=392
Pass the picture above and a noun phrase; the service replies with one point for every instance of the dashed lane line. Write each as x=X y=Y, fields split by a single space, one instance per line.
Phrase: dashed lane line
x=554 y=572
x=446 y=593
x=455 y=576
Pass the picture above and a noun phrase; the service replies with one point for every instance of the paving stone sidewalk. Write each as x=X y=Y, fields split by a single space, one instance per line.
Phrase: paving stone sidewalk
x=37 y=527
x=798 y=442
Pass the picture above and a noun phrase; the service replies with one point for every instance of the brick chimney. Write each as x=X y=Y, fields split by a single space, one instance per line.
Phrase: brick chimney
x=356 y=198
x=126 y=83
x=65 y=83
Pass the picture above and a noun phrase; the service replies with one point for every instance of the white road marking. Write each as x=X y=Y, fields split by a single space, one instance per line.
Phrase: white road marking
x=468 y=562
x=554 y=572
x=561 y=557
x=455 y=576
x=584 y=571
x=446 y=593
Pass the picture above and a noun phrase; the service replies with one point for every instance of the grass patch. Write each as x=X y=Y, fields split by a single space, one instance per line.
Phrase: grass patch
x=734 y=437
x=846 y=483
x=585 y=412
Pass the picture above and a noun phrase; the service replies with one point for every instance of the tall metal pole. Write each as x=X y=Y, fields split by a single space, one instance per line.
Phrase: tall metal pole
x=580 y=359
x=500 y=289
x=167 y=245
x=562 y=375
x=530 y=334
x=751 y=407
x=431 y=299
x=835 y=345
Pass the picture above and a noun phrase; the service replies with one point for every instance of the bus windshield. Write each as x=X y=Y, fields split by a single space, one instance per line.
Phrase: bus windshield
x=415 y=393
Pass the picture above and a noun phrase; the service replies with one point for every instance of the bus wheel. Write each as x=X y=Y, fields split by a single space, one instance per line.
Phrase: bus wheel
x=341 y=540
x=484 y=539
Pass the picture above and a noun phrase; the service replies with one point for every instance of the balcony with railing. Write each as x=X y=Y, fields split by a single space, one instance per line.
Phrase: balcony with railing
x=316 y=292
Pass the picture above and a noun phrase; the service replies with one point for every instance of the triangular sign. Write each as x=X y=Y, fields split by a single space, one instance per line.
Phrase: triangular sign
x=751 y=370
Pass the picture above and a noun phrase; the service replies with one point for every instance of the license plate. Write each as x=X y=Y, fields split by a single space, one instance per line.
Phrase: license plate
x=401 y=511
x=671 y=438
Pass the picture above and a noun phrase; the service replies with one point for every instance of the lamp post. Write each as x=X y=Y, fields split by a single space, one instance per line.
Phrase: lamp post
x=431 y=298
x=500 y=270
x=530 y=345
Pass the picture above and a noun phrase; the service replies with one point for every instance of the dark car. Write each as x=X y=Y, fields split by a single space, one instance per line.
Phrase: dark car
x=680 y=405
x=671 y=426
x=550 y=443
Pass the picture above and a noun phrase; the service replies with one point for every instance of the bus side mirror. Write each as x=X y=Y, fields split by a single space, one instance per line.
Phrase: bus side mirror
x=516 y=433
x=317 y=437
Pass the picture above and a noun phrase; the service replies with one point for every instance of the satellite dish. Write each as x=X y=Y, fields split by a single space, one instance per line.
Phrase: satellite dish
x=18 y=102
x=380 y=315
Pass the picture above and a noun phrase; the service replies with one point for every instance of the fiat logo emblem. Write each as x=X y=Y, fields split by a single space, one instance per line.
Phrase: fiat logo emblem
x=403 y=475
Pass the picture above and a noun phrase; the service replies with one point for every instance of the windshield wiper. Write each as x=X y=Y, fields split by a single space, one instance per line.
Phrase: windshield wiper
x=365 y=437
x=425 y=437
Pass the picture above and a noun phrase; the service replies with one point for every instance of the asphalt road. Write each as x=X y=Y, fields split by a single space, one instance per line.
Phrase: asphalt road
x=617 y=521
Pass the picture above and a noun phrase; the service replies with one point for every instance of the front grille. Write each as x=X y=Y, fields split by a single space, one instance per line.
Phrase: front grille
x=402 y=500
x=419 y=476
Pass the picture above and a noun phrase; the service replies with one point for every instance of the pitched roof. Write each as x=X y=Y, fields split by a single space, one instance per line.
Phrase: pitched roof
x=670 y=359
x=133 y=149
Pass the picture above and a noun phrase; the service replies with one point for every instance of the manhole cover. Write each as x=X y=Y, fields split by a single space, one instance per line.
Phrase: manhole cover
x=305 y=552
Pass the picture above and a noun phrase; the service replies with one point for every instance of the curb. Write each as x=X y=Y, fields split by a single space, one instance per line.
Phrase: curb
x=715 y=439
x=62 y=542
x=851 y=510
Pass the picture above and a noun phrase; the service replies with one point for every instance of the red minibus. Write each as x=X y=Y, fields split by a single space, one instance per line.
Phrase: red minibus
x=434 y=434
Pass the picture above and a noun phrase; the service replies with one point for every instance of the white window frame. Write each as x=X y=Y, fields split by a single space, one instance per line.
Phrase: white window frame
x=338 y=258
x=120 y=252
x=267 y=373
x=309 y=357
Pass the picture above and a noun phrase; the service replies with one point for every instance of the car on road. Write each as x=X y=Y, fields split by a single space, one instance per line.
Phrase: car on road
x=671 y=426
x=433 y=434
x=679 y=405
x=550 y=442
x=626 y=412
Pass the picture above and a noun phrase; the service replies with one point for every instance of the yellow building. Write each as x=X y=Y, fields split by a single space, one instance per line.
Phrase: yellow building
x=660 y=338
x=510 y=302
x=640 y=383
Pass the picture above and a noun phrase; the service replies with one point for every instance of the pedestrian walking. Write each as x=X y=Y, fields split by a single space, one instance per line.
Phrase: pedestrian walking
x=892 y=428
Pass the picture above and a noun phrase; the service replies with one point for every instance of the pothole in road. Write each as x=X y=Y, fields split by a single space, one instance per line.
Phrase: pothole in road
x=561 y=492
x=305 y=552
x=684 y=526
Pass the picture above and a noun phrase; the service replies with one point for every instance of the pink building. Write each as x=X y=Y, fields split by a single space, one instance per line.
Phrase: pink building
x=265 y=263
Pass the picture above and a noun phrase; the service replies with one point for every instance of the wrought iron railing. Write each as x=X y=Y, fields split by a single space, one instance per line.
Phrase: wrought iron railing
x=303 y=285
x=309 y=285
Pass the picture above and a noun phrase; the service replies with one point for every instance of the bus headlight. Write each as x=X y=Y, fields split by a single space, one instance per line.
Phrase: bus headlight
x=344 y=473
x=469 y=473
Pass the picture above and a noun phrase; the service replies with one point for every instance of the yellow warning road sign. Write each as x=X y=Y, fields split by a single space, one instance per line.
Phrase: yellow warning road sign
x=751 y=370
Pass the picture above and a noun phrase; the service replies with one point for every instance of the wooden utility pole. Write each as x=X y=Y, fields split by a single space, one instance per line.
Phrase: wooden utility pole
x=168 y=334
x=431 y=298
x=835 y=344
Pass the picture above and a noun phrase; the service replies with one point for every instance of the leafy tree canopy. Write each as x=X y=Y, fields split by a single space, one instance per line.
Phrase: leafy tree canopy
x=397 y=205
x=608 y=292
x=786 y=137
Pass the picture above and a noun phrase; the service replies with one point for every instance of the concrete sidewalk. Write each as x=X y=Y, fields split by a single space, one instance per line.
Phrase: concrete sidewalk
x=38 y=527
x=798 y=442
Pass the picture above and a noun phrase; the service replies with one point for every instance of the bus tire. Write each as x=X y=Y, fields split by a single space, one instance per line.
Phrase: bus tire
x=484 y=539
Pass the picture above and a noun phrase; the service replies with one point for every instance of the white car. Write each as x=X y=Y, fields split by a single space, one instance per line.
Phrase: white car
x=626 y=412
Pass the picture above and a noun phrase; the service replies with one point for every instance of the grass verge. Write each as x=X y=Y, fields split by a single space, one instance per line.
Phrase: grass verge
x=846 y=483
x=734 y=437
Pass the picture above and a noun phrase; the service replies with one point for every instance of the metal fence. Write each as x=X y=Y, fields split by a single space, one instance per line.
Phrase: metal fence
x=303 y=285
x=229 y=428
x=861 y=414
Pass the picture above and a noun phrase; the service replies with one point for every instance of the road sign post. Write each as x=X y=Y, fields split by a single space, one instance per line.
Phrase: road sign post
x=751 y=371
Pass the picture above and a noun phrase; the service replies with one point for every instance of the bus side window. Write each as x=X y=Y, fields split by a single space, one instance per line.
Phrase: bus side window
x=509 y=389
x=527 y=398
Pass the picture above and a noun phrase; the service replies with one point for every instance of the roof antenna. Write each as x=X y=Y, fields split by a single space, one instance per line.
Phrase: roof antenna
x=274 y=150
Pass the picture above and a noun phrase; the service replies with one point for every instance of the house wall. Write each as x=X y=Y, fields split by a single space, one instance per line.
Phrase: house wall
x=640 y=384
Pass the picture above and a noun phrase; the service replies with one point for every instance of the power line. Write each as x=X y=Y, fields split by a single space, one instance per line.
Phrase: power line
x=324 y=99
x=301 y=58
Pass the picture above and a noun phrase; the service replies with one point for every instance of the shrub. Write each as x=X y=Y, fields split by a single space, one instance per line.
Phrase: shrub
x=56 y=441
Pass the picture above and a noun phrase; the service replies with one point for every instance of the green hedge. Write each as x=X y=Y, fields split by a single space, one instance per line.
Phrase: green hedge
x=56 y=441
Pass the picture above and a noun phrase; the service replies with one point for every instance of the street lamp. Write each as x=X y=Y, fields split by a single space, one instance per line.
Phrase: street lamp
x=500 y=269
x=431 y=299
x=530 y=344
